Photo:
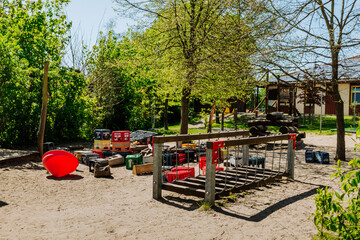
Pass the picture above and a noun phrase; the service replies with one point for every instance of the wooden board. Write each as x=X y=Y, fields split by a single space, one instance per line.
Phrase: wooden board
x=144 y=168
x=225 y=182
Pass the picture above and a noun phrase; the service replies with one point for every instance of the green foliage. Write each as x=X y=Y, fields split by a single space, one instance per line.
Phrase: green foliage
x=32 y=32
x=337 y=213
x=124 y=96
x=204 y=206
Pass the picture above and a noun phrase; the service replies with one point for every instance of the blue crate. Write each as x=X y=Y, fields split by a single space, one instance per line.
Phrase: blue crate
x=322 y=157
x=102 y=134
x=167 y=159
x=309 y=156
x=257 y=161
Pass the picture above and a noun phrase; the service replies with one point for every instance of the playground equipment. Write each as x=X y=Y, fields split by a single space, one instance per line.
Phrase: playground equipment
x=257 y=161
x=59 y=163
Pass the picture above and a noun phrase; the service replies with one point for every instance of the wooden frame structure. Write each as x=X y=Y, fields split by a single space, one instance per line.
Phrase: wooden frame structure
x=212 y=184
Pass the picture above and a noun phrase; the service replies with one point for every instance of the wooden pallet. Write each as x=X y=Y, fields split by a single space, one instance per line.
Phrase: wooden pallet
x=233 y=180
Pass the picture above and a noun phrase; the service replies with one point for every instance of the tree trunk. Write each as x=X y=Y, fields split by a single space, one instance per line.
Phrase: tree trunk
x=42 y=124
x=222 y=119
x=340 y=125
x=235 y=118
x=185 y=110
x=217 y=116
x=211 y=117
x=166 y=108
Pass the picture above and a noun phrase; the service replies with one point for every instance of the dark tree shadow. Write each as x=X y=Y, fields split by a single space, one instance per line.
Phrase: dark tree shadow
x=2 y=204
x=67 y=177
x=269 y=210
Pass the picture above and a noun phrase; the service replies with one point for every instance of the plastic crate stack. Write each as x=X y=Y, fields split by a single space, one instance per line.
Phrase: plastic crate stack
x=121 y=141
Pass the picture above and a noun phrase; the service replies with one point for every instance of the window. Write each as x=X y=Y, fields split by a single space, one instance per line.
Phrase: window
x=355 y=94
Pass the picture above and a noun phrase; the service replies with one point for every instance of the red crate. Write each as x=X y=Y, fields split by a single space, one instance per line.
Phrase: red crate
x=217 y=169
x=121 y=136
x=99 y=152
x=191 y=170
x=171 y=176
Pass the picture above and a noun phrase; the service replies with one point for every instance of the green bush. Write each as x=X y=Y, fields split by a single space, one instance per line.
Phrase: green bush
x=337 y=213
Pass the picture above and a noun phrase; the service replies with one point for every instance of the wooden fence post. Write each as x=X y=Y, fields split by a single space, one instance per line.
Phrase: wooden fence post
x=291 y=159
x=210 y=175
x=157 y=178
x=41 y=132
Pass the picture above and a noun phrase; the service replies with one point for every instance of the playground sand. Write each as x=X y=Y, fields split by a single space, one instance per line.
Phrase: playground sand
x=35 y=206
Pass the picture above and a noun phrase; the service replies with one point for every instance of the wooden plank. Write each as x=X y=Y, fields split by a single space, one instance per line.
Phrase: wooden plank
x=250 y=141
x=188 y=137
x=183 y=190
x=217 y=183
x=144 y=168
x=189 y=183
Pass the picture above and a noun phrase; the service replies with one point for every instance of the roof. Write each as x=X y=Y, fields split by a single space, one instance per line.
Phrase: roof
x=349 y=69
x=141 y=135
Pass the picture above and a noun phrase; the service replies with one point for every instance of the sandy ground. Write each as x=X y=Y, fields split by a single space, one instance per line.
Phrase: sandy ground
x=33 y=205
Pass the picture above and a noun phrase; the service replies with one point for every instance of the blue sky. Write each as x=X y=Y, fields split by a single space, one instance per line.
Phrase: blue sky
x=91 y=16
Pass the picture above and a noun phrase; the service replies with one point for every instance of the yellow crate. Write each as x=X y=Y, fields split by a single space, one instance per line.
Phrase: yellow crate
x=102 y=144
x=189 y=145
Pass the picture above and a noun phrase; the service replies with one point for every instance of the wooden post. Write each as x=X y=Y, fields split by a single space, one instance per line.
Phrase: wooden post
x=290 y=159
x=41 y=132
x=157 y=180
x=245 y=157
x=210 y=176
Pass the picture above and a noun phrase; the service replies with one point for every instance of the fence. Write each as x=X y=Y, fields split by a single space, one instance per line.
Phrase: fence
x=233 y=163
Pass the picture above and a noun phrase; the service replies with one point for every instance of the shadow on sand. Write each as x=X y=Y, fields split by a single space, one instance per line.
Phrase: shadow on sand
x=67 y=177
x=191 y=205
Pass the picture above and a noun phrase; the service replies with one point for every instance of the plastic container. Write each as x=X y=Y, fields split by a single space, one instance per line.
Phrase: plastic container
x=171 y=176
x=85 y=157
x=167 y=159
x=120 y=136
x=257 y=161
x=102 y=134
x=309 y=156
x=134 y=159
x=187 y=169
x=322 y=157
x=99 y=152
x=217 y=169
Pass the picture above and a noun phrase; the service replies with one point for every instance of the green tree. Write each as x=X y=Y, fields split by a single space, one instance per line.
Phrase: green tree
x=32 y=32
x=124 y=97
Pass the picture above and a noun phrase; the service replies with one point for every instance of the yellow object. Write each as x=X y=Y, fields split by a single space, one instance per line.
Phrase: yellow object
x=189 y=145
x=102 y=144
x=224 y=154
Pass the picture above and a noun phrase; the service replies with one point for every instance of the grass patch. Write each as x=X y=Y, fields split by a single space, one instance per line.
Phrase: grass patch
x=204 y=206
x=328 y=123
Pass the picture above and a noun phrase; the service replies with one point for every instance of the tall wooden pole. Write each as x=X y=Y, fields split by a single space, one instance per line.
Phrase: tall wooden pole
x=41 y=131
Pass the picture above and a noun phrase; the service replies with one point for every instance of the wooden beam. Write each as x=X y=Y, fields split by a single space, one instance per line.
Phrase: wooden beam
x=188 y=137
x=250 y=141
x=183 y=190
